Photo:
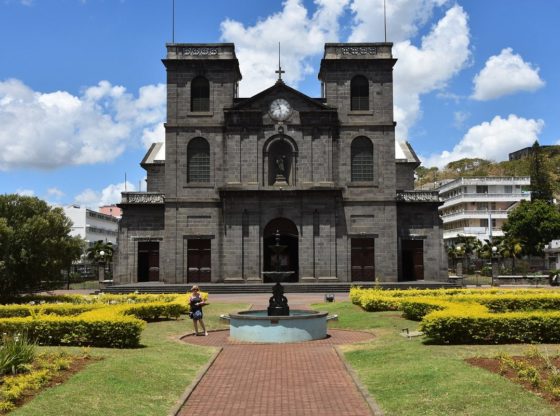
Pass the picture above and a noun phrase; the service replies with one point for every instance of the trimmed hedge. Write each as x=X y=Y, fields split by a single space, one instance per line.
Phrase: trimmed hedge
x=473 y=316
x=113 y=321
x=453 y=327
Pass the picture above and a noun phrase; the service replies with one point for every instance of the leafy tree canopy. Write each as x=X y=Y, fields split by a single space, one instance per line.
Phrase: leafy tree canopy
x=35 y=245
x=540 y=180
x=535 y=224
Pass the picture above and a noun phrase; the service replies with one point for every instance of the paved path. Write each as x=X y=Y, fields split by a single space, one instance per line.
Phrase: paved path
x=305 y=378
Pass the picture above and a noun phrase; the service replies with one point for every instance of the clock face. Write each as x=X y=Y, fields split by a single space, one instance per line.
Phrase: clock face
x=280 y=109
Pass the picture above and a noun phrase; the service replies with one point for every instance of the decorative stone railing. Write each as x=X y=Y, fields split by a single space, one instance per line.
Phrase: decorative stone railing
x=142 y=198
x=418 y=196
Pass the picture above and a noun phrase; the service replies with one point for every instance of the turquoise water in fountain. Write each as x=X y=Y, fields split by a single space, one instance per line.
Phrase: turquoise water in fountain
x=257 y=326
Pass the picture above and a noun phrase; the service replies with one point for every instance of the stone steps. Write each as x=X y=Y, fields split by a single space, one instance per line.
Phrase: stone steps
x=225 y=288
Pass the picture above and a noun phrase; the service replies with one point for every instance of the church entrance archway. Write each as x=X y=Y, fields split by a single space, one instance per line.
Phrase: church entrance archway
x=288 y=260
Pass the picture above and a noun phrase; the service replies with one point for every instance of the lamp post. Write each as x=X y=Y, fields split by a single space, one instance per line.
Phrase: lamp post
x=494 y=263
x=459 y=267
x=101 y=266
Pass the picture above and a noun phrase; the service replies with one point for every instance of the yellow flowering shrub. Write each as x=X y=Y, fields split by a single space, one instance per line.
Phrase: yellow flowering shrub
x=114 y=321
x=473 y=316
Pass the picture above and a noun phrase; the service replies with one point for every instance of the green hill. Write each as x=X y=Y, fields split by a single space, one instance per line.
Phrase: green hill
x=481 y=167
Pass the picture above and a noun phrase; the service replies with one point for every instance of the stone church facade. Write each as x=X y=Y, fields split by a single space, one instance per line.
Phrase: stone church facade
x=322 y=177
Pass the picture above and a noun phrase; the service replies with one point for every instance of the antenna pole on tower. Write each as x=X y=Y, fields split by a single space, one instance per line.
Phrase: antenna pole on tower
x=385 y=19
x=173 y=24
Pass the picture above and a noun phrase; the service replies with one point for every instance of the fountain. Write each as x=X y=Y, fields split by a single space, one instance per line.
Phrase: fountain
x=278 y=324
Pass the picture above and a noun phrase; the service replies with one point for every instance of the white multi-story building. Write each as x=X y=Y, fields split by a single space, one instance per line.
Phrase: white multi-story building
x=479 y=206
x=92 y=226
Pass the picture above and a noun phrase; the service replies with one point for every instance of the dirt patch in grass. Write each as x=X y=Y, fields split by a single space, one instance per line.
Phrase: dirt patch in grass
x=544 y=374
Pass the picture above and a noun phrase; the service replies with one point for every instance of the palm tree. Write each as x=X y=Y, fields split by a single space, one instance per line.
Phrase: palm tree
x=469 y=246
x=510 y=247
x=100 y=253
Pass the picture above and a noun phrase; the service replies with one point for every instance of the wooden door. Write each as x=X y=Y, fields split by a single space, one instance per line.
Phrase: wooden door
x=362 y=259
x=148 y=261
x=413 y=260
x=199 y=261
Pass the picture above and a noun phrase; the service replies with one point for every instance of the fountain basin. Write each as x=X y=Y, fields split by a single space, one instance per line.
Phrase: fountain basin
x=257 y=326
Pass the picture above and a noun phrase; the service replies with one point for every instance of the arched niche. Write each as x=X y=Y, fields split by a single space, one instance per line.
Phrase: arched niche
x=280 y=161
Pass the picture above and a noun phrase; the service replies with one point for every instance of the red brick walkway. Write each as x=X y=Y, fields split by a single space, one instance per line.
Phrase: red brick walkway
x=289 y=379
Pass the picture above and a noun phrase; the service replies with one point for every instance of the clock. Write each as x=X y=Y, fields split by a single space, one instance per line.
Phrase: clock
x=280 y=109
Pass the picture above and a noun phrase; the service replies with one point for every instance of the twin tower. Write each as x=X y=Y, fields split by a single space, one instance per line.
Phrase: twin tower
x=326 y=174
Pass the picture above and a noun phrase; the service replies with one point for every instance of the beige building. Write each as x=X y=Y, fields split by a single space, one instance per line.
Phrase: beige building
x=479 y=206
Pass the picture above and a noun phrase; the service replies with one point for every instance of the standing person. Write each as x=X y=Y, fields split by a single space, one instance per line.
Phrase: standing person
x=196 y=303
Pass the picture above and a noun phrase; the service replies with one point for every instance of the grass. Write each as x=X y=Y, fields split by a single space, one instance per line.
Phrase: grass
x=136 y=382
x=85 y=285
x=407 y=377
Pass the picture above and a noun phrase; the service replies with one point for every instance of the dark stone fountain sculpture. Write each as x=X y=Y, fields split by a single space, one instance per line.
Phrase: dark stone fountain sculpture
x=278 y=303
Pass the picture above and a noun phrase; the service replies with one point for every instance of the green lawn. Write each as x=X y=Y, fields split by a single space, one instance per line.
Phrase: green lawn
x=407 y=377
x=138 y=382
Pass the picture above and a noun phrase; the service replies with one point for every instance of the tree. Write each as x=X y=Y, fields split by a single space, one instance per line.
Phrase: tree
x=468 y=247
x=100 y=253
x=541 y=190
x=35 y=245
x=533 y=224
x=100 y=246
x=509 y=248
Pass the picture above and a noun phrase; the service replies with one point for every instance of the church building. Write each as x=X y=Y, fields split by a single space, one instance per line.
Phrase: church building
x=321 y=178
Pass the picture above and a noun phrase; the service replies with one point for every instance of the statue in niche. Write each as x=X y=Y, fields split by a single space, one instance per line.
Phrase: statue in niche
x=280 y=165
x=281 y=177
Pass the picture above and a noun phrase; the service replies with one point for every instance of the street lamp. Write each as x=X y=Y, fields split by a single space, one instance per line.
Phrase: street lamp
x=494 y=252
x=459 y=266
x=102 y=268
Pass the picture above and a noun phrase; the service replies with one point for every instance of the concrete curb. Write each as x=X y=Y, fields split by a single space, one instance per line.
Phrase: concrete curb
x=372 y=404
x=188 y=391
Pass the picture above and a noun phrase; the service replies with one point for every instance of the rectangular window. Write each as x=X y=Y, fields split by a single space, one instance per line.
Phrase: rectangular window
x=481 y=189
x=508 y=189
x=482 y=206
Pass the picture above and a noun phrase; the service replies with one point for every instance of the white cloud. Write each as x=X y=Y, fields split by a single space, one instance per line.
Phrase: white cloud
x=301 y=36
x=55 y=193
x=404 y=17
x=25 y=192
x=420 y=70
x=111 y=194
x=492 y=140
x=504 y=74
x=50 y=130
x=459 y=118
x=443 y=52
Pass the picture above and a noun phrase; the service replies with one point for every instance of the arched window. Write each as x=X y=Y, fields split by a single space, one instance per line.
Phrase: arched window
x=361 y=160
x=359 y=93
x=200 y=94
x=198 y=160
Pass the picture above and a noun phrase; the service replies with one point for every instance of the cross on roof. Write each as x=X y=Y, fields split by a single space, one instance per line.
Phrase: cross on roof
x=279 y=71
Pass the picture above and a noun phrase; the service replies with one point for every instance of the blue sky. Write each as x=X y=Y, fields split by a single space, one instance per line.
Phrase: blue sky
x=82 y=87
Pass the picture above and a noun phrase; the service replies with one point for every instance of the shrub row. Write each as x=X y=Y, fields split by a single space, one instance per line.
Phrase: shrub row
x=102 y=298
x=111 y=331
x=472 y=316
x=13 y=311
x=452 y=326
x=115 y=326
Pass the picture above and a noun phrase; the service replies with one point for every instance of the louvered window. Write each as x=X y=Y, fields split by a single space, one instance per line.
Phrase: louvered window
x=362 y=160
x=200 y=95
x=359 y=93
x=198 y=160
